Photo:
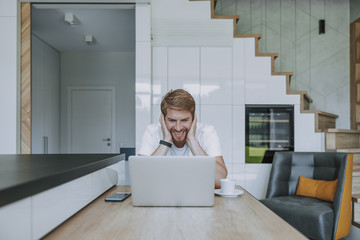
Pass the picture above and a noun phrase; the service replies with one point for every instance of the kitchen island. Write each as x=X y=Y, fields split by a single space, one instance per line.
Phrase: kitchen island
x=38 y=192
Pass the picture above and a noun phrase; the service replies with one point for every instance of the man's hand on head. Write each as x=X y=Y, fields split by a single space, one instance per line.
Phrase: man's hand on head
x=192 y=131
x=166 y=134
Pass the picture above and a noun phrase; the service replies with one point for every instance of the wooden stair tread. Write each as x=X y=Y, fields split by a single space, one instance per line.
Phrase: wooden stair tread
x=258 y=36
x=328 y=114
x=275 y=55
x=337 y=130
x=349 y=150
x=305 y=93
x=307 y=96
x=297 y=92
x=356 y=198
x=226 y=17
x=321 y=113
x=283 y=73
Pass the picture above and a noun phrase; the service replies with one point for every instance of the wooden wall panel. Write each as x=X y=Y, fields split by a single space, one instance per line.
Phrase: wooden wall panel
x=25 y=81
x=355 y=74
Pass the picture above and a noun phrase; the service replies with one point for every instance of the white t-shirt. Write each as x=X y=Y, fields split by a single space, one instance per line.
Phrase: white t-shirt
x=205 y=134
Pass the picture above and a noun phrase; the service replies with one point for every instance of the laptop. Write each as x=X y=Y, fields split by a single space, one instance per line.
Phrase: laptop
x=172 y=180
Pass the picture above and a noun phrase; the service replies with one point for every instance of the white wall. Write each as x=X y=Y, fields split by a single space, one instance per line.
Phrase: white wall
x=8 y=77
x=320 y=62
x=143 y=69
x=114 y=69
x=45 y=79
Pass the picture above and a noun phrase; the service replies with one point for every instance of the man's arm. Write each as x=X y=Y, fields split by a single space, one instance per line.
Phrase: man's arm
x=220 y=171
x=220 y=168
x=162 y=150
x=197 y=150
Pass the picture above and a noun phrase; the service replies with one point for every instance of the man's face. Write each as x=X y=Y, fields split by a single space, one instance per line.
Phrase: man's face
x=178 y=122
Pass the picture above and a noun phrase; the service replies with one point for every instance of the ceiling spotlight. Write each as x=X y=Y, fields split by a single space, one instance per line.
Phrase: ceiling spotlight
x=70 y=18
x=89 y=39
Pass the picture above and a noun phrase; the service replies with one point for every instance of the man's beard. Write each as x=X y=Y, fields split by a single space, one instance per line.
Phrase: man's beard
x=179 y=136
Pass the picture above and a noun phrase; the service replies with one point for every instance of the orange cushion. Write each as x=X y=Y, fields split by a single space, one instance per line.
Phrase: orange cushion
x=320 y=189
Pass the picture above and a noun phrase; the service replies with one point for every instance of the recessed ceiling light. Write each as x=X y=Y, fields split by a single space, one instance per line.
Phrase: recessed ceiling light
x=89 y=39
x=70 y=18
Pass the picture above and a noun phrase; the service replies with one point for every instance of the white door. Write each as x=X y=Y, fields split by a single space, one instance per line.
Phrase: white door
x=91 y=118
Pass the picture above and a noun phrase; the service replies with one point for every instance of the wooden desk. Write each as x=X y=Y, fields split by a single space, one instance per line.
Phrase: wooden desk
x=231 y=218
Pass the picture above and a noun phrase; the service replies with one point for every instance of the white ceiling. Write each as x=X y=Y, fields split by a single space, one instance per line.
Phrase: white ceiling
x=112 y=26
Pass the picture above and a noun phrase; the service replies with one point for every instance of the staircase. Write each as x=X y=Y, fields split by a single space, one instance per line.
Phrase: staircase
x=323 y=120
x=336 y=140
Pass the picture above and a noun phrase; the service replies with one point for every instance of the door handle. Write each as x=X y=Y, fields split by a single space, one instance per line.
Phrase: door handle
x=107 y=139
x=46 y=145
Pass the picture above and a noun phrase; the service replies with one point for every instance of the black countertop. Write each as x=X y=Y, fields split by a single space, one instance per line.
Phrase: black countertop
x=24 y=175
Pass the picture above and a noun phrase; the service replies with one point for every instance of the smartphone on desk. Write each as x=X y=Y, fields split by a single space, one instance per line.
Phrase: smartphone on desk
x=117 y=197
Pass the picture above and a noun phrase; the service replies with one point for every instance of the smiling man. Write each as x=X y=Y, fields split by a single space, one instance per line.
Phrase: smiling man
x=179 y=133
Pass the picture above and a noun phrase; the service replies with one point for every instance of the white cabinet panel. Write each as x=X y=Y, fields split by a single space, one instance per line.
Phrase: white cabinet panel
x=38 y=96
x=120 y=168
x=238 y=174
x=238 y=140
x=15 y=220
x=160 y=74
x=105 y=178
x=142 y=89
x=216 y=75
x=156 y=111
x=256 y=92
x=238 y=71
x=221 y=118
x=249 y=48
x=8 y=89
x=52 y=96
x=184 y=70
x=143 y=21
x=238 y=134
x=306 y=139
x=257 y=68
x=46 y=97
x=176 y=8
x=257 y=179
x=277 y=91
x=8 y=8
x=52 y=207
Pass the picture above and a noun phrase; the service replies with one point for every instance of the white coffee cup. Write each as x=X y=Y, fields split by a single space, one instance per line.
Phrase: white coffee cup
x=227 y=186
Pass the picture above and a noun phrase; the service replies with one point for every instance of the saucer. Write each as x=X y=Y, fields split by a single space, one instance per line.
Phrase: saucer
x=236 y=193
